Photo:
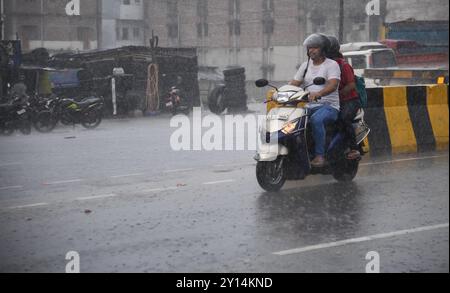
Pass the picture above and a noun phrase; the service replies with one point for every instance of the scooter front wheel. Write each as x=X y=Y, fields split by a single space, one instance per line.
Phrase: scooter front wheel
x=271 y=175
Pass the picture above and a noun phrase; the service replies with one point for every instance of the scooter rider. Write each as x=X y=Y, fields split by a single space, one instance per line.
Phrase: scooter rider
x=324 y=99
x=348 y=96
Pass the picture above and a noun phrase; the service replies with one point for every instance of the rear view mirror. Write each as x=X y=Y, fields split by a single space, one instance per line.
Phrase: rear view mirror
x=261 y=83
x=320 y=81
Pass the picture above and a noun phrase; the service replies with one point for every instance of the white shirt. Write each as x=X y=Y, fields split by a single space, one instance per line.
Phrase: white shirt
x=329 y=69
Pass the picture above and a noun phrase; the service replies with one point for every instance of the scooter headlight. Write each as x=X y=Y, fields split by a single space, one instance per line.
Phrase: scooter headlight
x=284 y=97
x=289 y=127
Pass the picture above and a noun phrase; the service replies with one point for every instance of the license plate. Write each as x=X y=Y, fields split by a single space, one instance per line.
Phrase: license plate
x=21 y=111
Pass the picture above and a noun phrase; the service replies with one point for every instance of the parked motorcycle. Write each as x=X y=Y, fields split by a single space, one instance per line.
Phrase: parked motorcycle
x=40 y=113
x=287 y=141
x=15 y=116
x=88 y=112
x=174 y=102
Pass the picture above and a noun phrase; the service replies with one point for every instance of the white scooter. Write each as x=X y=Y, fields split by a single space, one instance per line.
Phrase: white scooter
x=287 y=141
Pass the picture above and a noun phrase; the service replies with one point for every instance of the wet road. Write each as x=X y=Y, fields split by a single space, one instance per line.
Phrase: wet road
x=126 y=203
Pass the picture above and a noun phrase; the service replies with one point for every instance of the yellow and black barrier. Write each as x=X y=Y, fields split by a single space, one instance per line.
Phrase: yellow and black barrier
x=408 y=119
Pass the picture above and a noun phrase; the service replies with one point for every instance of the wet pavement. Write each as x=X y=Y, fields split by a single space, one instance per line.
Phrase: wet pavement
x=125 y=202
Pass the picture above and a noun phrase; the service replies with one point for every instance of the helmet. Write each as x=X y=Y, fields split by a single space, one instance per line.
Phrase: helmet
x=319 y=41
x=335 y=46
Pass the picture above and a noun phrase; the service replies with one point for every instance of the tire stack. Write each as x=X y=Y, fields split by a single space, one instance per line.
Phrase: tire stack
x=234 y=93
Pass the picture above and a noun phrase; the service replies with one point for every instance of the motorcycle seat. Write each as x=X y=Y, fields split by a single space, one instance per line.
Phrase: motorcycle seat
x=87 y=102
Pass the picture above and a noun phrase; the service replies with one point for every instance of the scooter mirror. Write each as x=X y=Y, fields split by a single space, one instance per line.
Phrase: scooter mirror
x=320 y=81
x=262 y=83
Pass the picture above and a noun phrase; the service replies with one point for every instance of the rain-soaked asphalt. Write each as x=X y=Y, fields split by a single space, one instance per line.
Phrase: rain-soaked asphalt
x=126 y=203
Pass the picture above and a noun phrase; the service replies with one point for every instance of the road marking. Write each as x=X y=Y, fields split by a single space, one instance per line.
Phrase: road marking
x=218 y=182
x=63 y=182
x=127 y=175
x=234 y=165
x=178 y=170
x=10 y=164
x=28 y=206
x=361 y=239
x=97 y=197
x=159 y=189
x=11 y=187
x=403 y=160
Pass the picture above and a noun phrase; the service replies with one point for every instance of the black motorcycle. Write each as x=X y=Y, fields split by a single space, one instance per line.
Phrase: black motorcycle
x=40 y=113
x=88 y=112
x=15 y=116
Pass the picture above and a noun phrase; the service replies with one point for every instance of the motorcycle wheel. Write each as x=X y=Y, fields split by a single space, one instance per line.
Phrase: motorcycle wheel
x=66 y=120
x=7 y=129
x=91 y=119
x=271 y=175
x=45 y=122
x=345 y=170
x=25 y=127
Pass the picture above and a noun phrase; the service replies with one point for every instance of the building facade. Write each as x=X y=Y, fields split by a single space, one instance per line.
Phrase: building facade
x=266 y=36
x=44 y=23
x=101 y=24
x=123 y=23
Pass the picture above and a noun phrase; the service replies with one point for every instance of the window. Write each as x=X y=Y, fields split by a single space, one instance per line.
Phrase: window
x=383 y=59
x=125 y=35
x=357 y=62
x=136 y=33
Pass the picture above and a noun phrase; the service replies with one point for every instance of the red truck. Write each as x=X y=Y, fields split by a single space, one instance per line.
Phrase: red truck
x=410 y=53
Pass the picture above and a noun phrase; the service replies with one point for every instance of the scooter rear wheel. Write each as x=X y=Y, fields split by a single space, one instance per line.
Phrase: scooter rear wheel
x=346 y=170
x=271 y=175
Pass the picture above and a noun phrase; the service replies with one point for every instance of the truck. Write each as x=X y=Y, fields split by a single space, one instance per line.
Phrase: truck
x=418 y=43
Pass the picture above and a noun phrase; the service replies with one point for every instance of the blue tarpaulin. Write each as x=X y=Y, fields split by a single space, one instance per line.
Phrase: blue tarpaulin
x=66 y=78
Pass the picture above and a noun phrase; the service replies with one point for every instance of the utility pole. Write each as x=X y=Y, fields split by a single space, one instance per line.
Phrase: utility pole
x=99 y=22
x=42 y=23
x=2 y=20
x=341 y=21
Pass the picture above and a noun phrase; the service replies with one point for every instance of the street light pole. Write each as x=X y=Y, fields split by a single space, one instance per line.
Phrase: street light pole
x=99 y=24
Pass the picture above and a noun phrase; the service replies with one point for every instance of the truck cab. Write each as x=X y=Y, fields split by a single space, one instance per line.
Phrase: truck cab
x=371 y=59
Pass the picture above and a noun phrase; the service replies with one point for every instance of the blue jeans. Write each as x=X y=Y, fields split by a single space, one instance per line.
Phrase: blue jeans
x=320 y=118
